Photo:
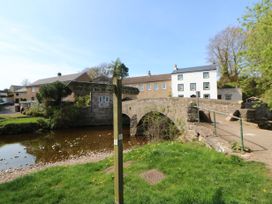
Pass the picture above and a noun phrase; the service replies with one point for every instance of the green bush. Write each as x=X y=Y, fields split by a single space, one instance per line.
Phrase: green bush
x=67 y=116
x=36 y=110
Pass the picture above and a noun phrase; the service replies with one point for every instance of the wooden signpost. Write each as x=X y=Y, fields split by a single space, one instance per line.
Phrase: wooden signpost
x=84 y=88
x=118 y=141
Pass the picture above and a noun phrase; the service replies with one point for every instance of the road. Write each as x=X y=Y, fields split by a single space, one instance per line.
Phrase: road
x=258 y=140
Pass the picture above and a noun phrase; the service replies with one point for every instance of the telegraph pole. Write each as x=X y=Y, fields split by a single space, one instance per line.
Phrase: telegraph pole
x=118 y=140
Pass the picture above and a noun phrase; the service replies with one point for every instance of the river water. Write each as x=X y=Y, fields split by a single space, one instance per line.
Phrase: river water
x=19 y=151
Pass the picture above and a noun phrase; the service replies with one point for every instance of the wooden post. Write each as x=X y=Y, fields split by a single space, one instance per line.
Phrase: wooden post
x=118 y=141
x=242 y=135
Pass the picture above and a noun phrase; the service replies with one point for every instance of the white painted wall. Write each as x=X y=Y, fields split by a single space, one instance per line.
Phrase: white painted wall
x=195 y=77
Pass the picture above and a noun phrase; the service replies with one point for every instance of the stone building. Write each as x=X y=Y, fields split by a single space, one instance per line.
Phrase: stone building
x=150 y=86
x=33 y=88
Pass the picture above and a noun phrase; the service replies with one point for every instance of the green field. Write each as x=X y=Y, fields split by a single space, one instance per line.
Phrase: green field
x=194 y=174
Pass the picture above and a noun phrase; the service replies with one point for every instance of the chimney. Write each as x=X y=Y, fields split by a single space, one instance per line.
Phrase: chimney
x=149 y=73
x=175 y=67
x=59 y=74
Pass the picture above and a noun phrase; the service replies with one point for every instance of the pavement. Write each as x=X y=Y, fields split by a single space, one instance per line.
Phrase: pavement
x=258 y=140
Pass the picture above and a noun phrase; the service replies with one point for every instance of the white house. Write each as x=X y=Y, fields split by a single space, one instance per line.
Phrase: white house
x=187 y=81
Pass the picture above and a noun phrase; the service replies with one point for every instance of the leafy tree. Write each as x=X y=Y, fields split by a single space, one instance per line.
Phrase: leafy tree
x=224 y=51
x=119 y=69
x=258 y=54
x=53 y=93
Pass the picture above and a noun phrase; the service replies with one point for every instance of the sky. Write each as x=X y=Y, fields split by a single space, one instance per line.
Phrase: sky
x=40 y=38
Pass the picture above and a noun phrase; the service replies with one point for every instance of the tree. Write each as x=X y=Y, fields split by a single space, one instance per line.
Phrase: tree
x=257 y=24
x=224 y=51
x=119 y=69
x=109 y=69
x=99 y=70
x=53 y=93
x=25 y=82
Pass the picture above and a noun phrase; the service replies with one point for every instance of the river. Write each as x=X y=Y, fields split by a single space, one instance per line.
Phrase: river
x=19 y=151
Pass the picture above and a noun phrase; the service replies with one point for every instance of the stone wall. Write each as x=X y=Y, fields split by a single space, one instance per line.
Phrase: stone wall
x=174 y=108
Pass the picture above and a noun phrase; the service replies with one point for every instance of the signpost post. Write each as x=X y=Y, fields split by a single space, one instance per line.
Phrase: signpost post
x=118 y=141
x=116 y=88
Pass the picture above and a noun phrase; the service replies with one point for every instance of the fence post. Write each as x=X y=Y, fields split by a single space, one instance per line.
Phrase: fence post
x=118 y=141
x=242 y=135
x=214 y=123
x=197 y=101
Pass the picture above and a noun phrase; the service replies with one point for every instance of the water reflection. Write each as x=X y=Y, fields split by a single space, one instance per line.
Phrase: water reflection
x=22 y=150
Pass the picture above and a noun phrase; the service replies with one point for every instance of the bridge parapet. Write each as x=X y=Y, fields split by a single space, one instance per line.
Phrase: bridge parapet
x=173 y=107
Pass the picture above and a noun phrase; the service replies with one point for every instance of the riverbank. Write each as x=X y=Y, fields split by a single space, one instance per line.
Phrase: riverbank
x=12 y=174
x=11 y=124
x=168 y=172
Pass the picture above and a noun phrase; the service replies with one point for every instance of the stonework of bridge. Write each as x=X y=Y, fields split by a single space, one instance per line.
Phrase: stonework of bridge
x=173 y=108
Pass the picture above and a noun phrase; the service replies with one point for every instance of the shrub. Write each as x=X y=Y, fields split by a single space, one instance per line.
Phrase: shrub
x=36 y=110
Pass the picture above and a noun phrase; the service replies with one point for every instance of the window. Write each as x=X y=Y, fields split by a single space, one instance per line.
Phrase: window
x=156 y=87
x=33 y=89
x=180 y=87
x=192 y=86
x=141 y=87
x=206 y=75
x=180 y=95
x=180 y=77
x=33 y=98
x=219 y=96
x=163 y=85
x=206 y=96
x=228 y=96
x=206 y=85
x=103 y=101
x=17 y=94
x=148 y=87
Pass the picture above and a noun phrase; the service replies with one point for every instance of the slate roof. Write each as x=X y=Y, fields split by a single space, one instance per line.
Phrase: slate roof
x=63 y=78
x=146 y=79
x=195 y=69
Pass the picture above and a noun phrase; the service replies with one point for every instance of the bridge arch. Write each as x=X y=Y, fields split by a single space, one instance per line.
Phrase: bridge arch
x=156 y=125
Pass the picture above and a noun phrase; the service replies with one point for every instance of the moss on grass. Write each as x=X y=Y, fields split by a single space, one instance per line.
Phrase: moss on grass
x=194 y=174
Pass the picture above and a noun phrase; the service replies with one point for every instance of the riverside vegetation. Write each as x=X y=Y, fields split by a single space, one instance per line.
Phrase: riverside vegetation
x=193 y=174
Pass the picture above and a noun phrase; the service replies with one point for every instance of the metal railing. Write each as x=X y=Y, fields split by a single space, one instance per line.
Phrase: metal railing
x=215 y=123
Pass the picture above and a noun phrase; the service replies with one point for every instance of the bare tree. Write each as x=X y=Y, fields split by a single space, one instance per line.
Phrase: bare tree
x=99 y=70
x=224 y=50
x=25 y=82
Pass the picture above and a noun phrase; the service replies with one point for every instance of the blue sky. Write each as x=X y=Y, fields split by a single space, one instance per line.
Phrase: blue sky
x=41 y=38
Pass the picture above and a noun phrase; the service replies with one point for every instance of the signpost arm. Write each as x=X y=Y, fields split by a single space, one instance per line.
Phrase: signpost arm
x=118 y=141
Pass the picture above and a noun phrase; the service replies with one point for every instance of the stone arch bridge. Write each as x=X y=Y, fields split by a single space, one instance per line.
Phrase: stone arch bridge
x=173 y=108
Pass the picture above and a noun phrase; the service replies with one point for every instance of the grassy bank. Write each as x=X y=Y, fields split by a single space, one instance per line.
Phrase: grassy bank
x=18 y=123
x=194 y=174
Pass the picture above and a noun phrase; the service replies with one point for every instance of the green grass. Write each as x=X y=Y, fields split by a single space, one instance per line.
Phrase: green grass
x=12 y=115
x=194 y=174
x=19 y=120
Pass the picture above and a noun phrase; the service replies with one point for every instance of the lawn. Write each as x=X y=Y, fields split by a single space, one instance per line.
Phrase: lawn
x=19 y=120
x=194 y=174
